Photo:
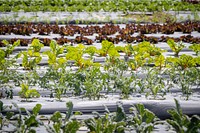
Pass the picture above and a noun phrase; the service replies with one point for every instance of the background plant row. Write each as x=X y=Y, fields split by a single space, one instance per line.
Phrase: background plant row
x=96 y=5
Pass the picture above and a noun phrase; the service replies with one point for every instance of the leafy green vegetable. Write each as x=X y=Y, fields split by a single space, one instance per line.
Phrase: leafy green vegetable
x=182 y=123
x=195 y=48
x=28 y=93
x=175 y=47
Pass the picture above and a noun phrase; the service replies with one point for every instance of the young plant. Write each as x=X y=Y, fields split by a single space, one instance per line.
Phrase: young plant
x=108 y=123
x=10 y=47
x=30 y=59
x=28 y=93
x=106 y=47
x=124 y=84
x=195 y=48
x=175 y=47
x=92 y=84
x=5 y=119
x=153 y=83
x=184 y=61
x=185 y=80
x=53 y=53
x=69 y=125
x=76 y=54
x=36 y=45
x=183 y=123
x=160 y=61
x=143 y=120
x=91 y=50
x=25 y=123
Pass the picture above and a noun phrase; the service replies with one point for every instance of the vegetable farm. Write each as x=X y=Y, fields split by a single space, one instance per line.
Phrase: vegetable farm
x=99 y=66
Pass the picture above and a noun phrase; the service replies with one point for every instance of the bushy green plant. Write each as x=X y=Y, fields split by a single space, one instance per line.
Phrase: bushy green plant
x=175 y=47
x=76 y=54
x=36 y=45
x=28 y=93
x=184 y=61
x=30 y=59
x=26 y=123
x=107 y=48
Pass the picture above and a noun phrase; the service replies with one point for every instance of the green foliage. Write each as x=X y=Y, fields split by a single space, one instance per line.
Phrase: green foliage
x=69 y=125
x=76 y=54
x=10 y=47
x=91 y=50
x=96 y=5
x=28 y=93
x=143 y=121
x=184 y=61
x=143 y=54
x=108 y=123
x=53 y=53
x=2 y=59
x=93 y=84
x=160 y=61
x=175 y=47
x=30 y=59
x=36 y=45
x=195 y=48
x=107 y=48
x=26 y=123
x=182 y=123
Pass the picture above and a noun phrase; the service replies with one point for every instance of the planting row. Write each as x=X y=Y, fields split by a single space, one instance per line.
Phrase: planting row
x=139 y=119
x=91 y=78
x=90 y=34
x=96 y=5
x=107 y=29
x=98 y=39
